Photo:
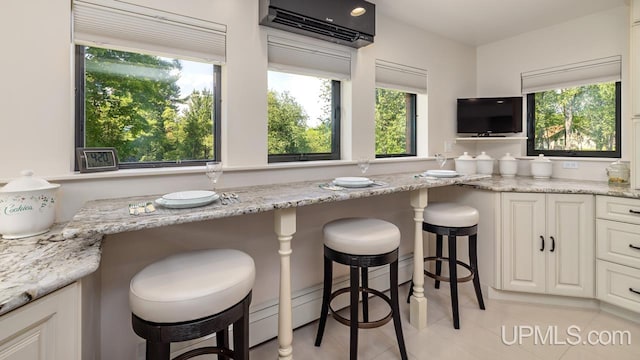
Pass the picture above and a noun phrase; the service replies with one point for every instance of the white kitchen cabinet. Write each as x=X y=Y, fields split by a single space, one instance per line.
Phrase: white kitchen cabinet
x=635 y=11
x=48 y=328
x=548 y=243
x=618 y=251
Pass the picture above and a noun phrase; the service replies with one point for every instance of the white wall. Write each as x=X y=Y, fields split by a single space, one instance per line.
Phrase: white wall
x=600 y=35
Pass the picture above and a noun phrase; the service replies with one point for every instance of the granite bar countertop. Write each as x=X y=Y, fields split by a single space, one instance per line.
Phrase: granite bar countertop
x=566 y=186
x=33 y=267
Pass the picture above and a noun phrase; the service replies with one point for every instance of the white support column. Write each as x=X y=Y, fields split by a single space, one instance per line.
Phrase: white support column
x=285 y=227
x=418 y=305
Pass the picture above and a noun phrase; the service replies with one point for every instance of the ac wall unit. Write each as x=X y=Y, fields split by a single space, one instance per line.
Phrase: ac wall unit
x=346 y=22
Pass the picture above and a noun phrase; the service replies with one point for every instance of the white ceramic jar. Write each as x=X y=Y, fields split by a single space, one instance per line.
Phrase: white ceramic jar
x=465 y=164
x=541 y=168
x=484 y=164
x=27 y=206
x=508 y=166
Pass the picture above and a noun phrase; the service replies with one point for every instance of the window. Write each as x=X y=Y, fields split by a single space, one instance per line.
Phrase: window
x=147 y=83
x=395 y=123
x=155 y=111
x=397 y=87
x=304 y=99
x=575 y=110
x=304 y=117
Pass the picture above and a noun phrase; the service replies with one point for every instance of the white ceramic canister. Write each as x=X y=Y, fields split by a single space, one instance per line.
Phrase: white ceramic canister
x=508 y=166
x=27 y=206
x=484 y=164
x=465 y=164
x=541 y=167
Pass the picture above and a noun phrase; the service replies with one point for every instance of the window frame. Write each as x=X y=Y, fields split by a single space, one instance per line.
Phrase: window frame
x=617 y=153
x=336 y=109
x=412 y=126
x=79 y=108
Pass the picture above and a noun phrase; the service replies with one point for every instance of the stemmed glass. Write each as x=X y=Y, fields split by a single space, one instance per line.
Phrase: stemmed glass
x=441 y=159
x=213 y=170
x=363 y=164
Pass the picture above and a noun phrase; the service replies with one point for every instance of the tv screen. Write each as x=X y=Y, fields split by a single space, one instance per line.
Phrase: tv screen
x=486 y=116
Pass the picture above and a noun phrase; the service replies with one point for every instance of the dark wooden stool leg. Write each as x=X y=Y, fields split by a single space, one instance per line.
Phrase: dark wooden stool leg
x=365 y=296
x=453 y=275
x=395 y=308
x=326 y=294
x=473 y=258
x=241 y=336
x=222 y=340
x=410 y=292
x=353 y=320
x=438 y=262
x=157 y=351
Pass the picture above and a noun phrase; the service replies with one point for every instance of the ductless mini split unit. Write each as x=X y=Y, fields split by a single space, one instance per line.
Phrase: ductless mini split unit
x=346 y=22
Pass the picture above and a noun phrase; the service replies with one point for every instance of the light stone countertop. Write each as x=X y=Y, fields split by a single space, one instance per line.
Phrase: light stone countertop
x=33 y=267
x=566 y=186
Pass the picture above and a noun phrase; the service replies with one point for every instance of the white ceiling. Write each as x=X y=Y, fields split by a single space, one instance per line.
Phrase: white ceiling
x=478 y=22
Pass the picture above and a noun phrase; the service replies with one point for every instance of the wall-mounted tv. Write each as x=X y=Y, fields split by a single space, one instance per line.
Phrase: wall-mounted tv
x=489 y=116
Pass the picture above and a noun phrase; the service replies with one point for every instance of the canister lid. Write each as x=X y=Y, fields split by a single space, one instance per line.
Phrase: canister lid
x=27 y=182
x=507 y=156
x=483 y=156
x=541 y=158
x=465 y=156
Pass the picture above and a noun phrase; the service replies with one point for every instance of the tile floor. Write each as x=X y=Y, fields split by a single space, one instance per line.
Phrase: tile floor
x=479 y=336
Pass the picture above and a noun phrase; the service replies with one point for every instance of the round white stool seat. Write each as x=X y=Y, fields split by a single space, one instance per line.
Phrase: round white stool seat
x=191 y=285
x=361 y=236
x=450 y=215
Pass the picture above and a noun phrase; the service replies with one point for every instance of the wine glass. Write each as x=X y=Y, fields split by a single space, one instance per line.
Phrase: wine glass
x=441 y=159
x=213 y=170
x=363 y=164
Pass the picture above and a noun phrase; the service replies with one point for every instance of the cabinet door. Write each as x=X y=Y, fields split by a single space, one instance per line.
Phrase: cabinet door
x=523 y=225
x=48 y=328
x=635 y=11
x=571 y=251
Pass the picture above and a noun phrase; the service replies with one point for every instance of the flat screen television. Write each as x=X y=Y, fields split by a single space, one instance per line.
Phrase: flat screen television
x=490 y=116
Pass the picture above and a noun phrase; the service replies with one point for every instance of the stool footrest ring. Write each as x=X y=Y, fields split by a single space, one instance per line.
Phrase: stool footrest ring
x=447 y=279
x=227 y=353
x=361 y=324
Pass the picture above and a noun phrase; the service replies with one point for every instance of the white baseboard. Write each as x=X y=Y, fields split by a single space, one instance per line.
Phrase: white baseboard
x=263 y=320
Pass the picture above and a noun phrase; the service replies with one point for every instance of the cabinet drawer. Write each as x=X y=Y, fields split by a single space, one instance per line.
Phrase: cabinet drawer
x=618 y=209
x=618 y=242
x=616 y=285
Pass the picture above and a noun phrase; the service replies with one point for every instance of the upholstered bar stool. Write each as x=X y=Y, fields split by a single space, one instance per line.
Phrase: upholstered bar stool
x=361 y=243
x=190 y=295
x=453 y=220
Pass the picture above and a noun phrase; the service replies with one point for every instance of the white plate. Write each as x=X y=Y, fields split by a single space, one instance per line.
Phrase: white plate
x=441 y=173
x=178 y=204
x=192 y=195
x=353 y=184
x=352 y=179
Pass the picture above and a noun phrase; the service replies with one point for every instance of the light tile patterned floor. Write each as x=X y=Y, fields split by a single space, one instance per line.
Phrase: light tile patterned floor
x=479 y=336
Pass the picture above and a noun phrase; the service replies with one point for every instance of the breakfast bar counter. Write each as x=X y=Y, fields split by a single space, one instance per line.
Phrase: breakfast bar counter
x=74 y=248
x=34 y=267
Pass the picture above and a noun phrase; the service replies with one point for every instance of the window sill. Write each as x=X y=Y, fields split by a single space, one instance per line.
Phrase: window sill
x=172 y=171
